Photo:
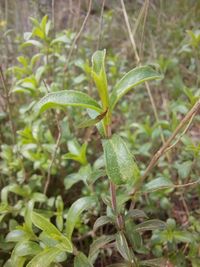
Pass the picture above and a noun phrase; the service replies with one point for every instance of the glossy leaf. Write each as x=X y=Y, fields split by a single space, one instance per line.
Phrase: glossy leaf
x=99 y=76
x=46 y=226
x=81 y=260
x=99 y=243
x=15 y=261
x=134 y=237
x=135 y=214
x=91 y=122
x=82 y=175
x=120 y=165
x=17 y=236
x=74 y=212
x=101 y=221
x=67 y=98
x=123 y=248
x=158 y=184
x=134 y=77
x=14 y=188
x=100 y=126
x=32 y=42
x=59 y=218
x=76 y=152
x=183 y=236
x=28 y=213
x=27 y=248
x=150 y=225
x=45 y=258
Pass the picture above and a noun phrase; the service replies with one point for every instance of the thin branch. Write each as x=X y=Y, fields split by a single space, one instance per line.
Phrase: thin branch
x=53 y=157
x=101 y=24
x=7 y=98
x=78 y=34
x=163 y=149
x=130 y=32
x=139 y=60
x=186 y=185
x=183 y=133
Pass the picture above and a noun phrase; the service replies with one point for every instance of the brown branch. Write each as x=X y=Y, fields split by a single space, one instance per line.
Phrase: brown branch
x=163 y=149
x=138 y=59
x=7 y=98
x=78 y=34
x=101 y=24
x=130 y=32
x=186 y=185
x=182 y=134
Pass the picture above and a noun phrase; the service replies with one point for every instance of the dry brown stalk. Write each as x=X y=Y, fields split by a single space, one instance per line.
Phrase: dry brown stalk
x=163 y=149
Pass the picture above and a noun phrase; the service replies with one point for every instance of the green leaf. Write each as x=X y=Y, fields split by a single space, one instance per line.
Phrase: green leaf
x=158 y=184
x=102 y=221
x=82 y=261
x=134 y=237
x=82 y=175
x=59 y=218
x=45 y=258
x=135 y=214
x=123 y=248
x=15 y=261
x=154 y=262
x=32 y=42
x=74 y=212
x=92 y=122
x=99 y=76
x=134 y=77
x=67 y=98
x=183 y=236
x=77 y=152
x=59 y=204
x=150 y=225
x=184 y=169
x=100 y=126
x=99 y=243
x=27 y=248
x=46 y=226
x=17 y=236
x=120 y=165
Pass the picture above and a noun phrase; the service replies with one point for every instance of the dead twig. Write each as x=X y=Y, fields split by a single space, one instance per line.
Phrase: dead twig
x=133 y=43
x=101 y=24
x=187 y=185
x=78 y=35
x=7 y=98
x=164 y=148
x=182 y=134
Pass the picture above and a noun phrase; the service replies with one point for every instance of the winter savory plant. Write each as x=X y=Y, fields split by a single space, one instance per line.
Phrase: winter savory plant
x=120 y=168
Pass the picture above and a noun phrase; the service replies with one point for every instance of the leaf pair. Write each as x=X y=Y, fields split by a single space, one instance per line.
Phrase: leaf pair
x=75 y=98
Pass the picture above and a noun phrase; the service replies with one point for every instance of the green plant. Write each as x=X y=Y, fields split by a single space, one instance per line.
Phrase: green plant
x=56 y=208
x=121 y=168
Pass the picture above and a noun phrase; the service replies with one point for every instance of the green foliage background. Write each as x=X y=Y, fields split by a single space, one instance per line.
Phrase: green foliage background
x=55 y=207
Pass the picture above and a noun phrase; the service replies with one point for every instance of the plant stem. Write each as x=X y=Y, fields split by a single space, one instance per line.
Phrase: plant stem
x=78 y=35
x=138 y=59
x=113 y=190
x=7 y=97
